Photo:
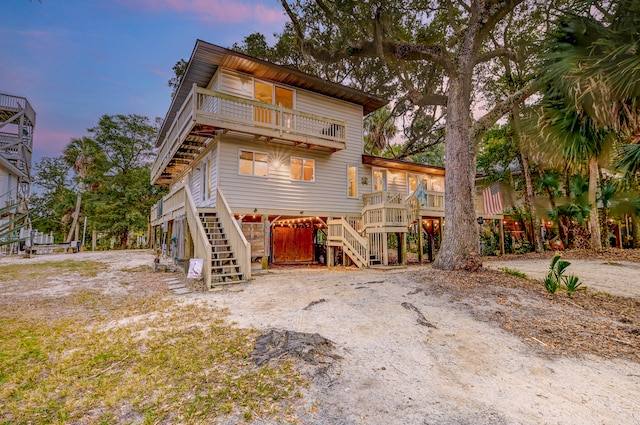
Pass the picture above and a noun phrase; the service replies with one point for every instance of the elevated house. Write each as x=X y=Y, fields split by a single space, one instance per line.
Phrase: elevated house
x=265 y=163
x=17 y=123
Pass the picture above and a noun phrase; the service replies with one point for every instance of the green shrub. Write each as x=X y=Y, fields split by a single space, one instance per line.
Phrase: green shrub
x=555 y=277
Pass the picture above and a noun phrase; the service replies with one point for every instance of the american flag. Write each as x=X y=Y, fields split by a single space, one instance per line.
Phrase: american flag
x=492 y=200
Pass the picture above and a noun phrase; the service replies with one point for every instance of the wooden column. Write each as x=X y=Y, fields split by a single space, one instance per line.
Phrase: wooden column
x=267 y=241
x=402 y=248
x=501 y=236
x=385 y=249
x=420 y=242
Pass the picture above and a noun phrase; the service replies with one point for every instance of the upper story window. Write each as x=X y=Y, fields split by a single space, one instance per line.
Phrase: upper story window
x=273 y=95
x=302 y=169
x=253 y=163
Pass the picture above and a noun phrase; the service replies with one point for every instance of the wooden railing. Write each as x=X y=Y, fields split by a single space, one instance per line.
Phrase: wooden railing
x=384 y=211
x=354 y=245
x=235 y=237
x=201 y=244
x=17 y=103
x=235 y=113
x=173 y=205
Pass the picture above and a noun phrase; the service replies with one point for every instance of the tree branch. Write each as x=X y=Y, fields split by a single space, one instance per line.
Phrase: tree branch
x=494 y=12
x=483 y=124
x=499 y=52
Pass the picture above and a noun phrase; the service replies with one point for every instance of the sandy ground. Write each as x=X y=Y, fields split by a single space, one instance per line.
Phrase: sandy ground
x=396 y=371
x=614 y=277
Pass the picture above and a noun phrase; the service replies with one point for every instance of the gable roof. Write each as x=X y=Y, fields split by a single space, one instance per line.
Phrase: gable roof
x=206 y=58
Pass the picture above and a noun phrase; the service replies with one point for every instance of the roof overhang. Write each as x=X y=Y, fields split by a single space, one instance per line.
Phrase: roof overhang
x=206 y=58
x=397 y=164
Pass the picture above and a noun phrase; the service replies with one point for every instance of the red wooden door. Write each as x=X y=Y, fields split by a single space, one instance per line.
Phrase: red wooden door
x=291 y=244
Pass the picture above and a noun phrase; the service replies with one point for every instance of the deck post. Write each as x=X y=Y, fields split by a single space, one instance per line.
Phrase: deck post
x=420 y=241
x=385 y=249
x=501 y=236
x=402 y=247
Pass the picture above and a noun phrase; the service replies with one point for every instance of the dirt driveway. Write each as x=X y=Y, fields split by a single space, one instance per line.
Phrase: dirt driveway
x=420 y=346
x=612 y=276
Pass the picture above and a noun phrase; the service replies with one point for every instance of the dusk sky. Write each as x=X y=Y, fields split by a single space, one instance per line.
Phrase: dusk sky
x=78 y=60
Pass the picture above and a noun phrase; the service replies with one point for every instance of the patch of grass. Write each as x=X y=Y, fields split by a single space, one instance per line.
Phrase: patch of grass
x=149 y=360
x=139 y=269
x=514 y=272
x=41 y=270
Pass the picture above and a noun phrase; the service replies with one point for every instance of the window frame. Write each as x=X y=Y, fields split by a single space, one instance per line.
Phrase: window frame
x=253 y=163
x=304 y=160
x=349 y=166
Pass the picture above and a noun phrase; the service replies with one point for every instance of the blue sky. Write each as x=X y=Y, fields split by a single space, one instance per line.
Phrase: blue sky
x=78 y=60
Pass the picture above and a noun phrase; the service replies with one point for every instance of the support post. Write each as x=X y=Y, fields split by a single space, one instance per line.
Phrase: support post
x=385 y=249
x=420 y=241
x=402 y=248
x=501 y=236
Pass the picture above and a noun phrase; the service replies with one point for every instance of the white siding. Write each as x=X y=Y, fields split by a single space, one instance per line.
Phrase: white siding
x=194 y=184
x=328 y=193
x=234 y=83
x=214 y=173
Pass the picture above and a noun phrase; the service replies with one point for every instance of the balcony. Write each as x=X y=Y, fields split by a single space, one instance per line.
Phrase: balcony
x=204 y=112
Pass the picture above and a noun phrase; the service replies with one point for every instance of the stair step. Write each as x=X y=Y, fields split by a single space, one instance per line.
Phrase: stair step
x=231 y=282
x=221 y=260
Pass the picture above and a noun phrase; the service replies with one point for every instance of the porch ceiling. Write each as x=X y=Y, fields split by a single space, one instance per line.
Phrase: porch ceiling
x=207 y=57
x=189 y=150
x=397 y=164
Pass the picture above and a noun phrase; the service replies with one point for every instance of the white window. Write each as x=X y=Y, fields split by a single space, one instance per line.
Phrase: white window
x=253 y=163
x=352 y=181
x=302 y=169
x=379 y=180
x=412 y=181
x=435 y=183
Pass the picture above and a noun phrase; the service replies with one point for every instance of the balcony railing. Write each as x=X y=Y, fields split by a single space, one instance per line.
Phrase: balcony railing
x=15 y=104
x=385 y=211
x=222 y=111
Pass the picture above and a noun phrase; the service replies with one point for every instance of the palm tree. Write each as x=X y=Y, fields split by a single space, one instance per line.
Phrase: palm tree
x=380 y=129
x=79 y=154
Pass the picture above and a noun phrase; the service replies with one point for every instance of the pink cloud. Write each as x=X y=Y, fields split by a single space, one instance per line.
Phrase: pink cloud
x=48 y=142
x=226 y=11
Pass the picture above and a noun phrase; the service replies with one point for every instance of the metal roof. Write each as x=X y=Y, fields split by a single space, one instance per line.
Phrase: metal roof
x=206 y=58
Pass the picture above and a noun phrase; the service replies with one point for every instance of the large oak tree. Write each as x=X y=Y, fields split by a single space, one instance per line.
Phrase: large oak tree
x=446 y=40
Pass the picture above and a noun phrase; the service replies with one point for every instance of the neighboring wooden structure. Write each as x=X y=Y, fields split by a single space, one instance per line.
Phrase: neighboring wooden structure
x=17 y=123
x=273 y=157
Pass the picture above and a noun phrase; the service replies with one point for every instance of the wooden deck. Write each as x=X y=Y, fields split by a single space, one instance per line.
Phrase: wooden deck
x=206 y=112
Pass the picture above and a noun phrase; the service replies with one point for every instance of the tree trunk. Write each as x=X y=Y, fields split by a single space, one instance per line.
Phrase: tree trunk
x=635 y=223
x=76 y=217
x=460 y=243
x=594 y=222
x=528 y=192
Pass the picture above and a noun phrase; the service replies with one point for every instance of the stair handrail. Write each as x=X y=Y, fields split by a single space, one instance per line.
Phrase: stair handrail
x=354 y=243
x=236 y=238
x=201 y=244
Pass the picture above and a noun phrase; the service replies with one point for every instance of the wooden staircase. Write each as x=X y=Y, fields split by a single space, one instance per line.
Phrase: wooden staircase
x=225 y=268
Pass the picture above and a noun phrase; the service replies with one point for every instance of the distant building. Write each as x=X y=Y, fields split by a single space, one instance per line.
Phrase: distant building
x=17 y=123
